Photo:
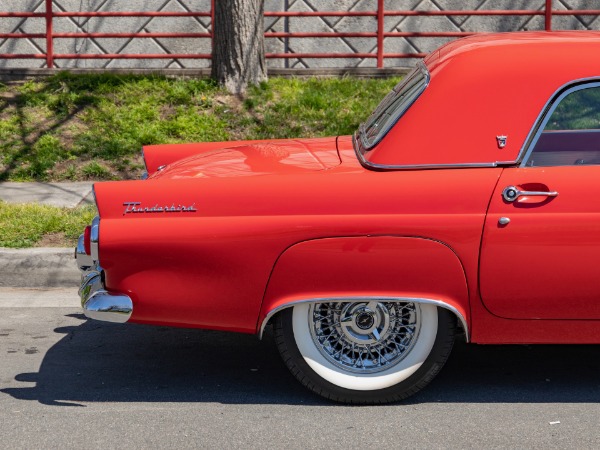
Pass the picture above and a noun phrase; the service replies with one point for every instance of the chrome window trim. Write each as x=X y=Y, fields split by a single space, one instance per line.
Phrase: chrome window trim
x=423 y=69
x=544 y=115
x=370 y=165
x=429 y=301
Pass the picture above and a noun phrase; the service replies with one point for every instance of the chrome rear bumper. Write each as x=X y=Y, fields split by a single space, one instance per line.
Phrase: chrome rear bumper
x=96 y=301
x=84 y=261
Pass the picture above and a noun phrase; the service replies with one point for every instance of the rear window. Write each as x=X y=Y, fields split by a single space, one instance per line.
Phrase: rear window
x=393 y=106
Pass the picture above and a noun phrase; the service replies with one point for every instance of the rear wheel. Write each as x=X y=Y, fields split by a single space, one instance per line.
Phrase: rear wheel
x=365 y=352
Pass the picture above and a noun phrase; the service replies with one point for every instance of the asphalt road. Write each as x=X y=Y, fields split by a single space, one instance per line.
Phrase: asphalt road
x=70 y=383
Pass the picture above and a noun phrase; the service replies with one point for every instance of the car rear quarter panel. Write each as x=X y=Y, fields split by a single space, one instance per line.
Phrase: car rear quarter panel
x=210 y=268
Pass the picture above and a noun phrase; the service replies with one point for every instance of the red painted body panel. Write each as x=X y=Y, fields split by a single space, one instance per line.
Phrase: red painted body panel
x=544 y=263
x=299 y=151
x=228 y=232
x=294 y=156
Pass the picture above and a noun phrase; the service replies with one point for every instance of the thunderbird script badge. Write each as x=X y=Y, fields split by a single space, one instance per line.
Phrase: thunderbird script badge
x=135 y=207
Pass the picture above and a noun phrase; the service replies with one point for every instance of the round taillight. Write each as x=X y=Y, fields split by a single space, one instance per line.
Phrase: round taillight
x=86 y=240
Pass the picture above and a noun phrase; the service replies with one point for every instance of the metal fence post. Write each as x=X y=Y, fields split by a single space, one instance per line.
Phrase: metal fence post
x=548 y=15
x=212 y=26
x=49 y=37
x=380 y=31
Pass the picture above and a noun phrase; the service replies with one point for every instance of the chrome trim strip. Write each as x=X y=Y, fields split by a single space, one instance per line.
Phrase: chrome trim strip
x=546 y=112
x=94 y=238
x=371 y=165
x=430 y=301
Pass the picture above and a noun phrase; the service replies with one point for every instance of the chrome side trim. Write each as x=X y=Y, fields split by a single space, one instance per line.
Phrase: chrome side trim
x=546 y=112
x=430 y=301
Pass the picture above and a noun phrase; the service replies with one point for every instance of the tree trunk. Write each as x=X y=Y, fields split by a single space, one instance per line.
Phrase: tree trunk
x=238 y=57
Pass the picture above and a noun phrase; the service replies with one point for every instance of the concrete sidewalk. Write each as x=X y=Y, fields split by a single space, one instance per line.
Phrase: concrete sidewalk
x=67 y=195
x=42 y=267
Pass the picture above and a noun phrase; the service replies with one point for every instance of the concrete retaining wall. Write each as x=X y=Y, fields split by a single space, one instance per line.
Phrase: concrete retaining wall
x=306 y=24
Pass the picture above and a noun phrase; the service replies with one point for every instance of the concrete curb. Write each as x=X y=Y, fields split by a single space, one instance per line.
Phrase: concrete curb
x=42 y=267
x=38 y=268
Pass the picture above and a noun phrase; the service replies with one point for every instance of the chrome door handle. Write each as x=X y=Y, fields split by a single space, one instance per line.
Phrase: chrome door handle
x=511 y=193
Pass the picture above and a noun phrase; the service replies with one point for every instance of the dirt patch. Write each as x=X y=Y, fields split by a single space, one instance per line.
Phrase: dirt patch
x=70 y=130
x=232 y=101
x=8 y=95
x=54 y=240
x=166 y=112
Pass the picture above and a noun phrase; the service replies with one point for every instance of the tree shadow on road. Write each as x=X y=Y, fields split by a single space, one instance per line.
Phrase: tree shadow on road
x=97 y=362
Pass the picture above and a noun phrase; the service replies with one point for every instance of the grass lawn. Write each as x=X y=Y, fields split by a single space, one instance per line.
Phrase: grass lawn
x=91 y=127
x=82 y=127
x=29 y=225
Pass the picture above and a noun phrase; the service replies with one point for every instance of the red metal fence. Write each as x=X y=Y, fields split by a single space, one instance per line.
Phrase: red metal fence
x=380 y=14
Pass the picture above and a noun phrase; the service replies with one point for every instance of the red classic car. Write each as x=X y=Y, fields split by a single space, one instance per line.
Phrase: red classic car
x=467 y=206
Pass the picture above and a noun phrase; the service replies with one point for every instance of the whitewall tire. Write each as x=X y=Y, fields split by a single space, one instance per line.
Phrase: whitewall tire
x=365 y=352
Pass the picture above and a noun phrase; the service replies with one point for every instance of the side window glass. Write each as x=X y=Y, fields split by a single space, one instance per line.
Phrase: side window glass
x=571 y=133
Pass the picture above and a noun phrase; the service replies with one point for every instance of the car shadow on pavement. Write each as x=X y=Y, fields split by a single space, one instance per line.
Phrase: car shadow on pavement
x=100 y=362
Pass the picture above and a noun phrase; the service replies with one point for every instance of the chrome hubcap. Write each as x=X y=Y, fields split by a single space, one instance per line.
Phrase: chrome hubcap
x=364 y=337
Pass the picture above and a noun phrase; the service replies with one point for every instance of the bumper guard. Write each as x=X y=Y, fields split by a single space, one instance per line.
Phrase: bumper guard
x=96 y=301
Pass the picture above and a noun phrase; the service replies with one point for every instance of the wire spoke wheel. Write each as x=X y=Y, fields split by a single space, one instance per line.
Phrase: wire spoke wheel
x=364 y=337
x=366 y=351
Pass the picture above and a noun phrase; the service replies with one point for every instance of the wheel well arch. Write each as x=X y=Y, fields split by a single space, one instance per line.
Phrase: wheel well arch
x=391 y=268
x=462 y=321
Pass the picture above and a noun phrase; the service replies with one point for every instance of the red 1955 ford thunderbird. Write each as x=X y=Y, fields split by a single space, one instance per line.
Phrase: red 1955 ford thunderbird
x=466 y=206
